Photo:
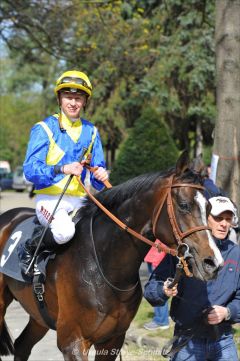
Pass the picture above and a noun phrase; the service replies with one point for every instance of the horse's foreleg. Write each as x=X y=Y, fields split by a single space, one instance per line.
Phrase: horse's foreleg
x=74 y=348
x=31 y=334
x=109 y=350
x=6 y=344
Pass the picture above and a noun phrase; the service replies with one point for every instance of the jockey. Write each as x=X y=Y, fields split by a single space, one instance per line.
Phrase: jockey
x=53 y=152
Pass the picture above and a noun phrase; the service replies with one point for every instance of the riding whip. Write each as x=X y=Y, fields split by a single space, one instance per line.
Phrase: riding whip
x=52 y=215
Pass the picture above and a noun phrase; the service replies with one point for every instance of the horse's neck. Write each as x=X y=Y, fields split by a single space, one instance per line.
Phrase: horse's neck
x=123 y=251
x=109 y=248
x=118 y=253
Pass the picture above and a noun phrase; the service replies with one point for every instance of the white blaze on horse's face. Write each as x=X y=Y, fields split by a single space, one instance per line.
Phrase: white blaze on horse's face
x=202 y=202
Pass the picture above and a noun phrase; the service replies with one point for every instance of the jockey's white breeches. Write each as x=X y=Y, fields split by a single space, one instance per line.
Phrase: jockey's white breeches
x=62 y=226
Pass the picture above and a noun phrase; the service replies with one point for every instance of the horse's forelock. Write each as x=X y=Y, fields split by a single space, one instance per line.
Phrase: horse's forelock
x=189 y=176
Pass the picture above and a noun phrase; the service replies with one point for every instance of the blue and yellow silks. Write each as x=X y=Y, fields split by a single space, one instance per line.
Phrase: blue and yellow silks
x=49 y=146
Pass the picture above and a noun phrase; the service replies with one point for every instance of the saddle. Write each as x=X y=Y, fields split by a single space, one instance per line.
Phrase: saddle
x=9 y=262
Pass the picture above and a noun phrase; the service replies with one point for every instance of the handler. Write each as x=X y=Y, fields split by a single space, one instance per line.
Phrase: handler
x=204 y=312
x=52 y=156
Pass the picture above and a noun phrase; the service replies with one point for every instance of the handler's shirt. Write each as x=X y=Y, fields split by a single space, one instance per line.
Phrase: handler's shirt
x=194 y=295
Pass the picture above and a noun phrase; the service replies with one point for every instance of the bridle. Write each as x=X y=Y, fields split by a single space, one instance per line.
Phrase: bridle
x=178 y=234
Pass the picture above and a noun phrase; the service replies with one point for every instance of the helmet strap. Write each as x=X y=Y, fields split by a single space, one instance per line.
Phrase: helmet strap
x=63 y=130
x=61 y=127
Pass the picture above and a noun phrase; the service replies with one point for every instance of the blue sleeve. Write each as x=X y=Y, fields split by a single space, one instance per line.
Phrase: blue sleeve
x=234 y=307
x=97 y=160
x=153 y=290
x=35 y=168
x=234 y=304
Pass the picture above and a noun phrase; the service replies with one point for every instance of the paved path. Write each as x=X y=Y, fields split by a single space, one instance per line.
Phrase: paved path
x=16 y=317
x=13 y=199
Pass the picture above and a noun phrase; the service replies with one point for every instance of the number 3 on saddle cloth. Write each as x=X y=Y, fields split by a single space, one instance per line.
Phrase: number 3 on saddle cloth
x=9 y=262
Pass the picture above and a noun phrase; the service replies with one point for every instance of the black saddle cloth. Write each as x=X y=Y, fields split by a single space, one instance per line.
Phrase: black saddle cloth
x=9 y=262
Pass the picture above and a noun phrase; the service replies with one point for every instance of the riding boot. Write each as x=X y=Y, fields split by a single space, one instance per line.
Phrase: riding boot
x=27 y=250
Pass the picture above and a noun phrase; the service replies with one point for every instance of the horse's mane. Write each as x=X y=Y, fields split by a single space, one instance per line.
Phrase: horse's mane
x=112 y=198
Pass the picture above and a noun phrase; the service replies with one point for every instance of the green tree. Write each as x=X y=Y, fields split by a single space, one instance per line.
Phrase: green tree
x=159 y=51
x=17 y=118
x=149 y=147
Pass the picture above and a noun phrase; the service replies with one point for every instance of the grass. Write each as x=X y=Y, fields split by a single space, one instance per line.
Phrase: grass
x=145 y=314
x=236 y=335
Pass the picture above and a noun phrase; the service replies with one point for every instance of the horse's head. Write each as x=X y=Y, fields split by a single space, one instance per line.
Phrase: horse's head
x=180 y=220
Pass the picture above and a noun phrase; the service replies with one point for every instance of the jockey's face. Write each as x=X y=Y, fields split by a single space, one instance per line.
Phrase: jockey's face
x=72 y=103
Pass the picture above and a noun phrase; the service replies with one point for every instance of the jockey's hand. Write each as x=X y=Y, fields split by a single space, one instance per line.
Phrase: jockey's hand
x=217 y=314
x=170 y=292
x=101 y=174
x=74 y=168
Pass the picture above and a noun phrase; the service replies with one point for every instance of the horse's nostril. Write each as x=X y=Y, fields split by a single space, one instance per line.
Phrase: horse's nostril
x=209 y=265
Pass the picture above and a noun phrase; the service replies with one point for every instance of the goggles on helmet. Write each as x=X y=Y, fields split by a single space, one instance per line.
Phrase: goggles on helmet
x=79 y=81
x=73 y=90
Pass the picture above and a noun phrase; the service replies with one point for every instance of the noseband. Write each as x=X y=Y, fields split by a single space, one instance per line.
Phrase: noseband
x=178 y=234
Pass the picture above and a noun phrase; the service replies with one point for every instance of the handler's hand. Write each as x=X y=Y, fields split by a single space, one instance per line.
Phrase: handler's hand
x=217 y=314
x=170 y=292
x=74 y=168
x=101 y=174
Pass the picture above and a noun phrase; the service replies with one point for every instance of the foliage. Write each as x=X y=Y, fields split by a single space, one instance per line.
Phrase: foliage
x=149 y=147
x=17 y=117
x=135 y=52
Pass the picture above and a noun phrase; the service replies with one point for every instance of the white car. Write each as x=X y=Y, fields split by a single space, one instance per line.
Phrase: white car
x=20 y=183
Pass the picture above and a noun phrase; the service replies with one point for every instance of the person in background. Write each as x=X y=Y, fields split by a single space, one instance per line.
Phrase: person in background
x=53 y=154
x=203 y=312
x=211 y=189
x=161 y=314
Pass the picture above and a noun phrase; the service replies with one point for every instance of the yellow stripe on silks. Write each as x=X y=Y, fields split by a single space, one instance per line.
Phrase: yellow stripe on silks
x=55 y=153
x=91 y=144
x=74 y=188
x=54 y=156
x=73 y=129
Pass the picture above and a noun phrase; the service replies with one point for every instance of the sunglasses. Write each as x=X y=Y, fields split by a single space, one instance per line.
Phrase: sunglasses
x=79 y=81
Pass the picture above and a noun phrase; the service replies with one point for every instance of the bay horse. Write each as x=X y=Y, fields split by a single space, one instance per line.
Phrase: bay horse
x=92 y=287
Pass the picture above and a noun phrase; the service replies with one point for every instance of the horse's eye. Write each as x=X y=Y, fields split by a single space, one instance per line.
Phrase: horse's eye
x=184 y=207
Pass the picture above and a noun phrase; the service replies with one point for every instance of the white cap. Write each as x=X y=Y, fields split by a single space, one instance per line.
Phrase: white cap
x=222 y=204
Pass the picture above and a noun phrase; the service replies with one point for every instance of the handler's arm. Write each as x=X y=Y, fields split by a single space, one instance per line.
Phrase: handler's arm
x=154 y=290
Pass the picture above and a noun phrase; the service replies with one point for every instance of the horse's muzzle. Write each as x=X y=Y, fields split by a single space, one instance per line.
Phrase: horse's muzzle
x=210 y=267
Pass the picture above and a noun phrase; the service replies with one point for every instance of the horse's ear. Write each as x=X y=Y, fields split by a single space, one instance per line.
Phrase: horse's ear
x=198 y=166
x=182 y=163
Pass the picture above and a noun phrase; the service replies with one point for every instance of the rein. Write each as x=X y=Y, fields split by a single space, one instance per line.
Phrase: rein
x=178 y=234
x=160 y=246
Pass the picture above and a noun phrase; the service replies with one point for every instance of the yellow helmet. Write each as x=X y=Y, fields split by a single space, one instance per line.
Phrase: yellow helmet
x=73 y=80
